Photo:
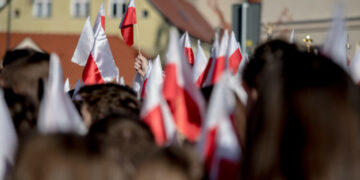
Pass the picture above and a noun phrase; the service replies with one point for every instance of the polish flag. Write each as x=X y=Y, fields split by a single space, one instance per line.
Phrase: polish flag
x=199 y=65
x=146 y=78
x=354 y=68
x=218 y=64
x=188 y=52
x=57 y=113
x=85 y=44
x=218 y=144
x=234 y=56
x=155 y=112
x=8 y=138
x=127 y=23
x=100 y=66
x=184 y=98
x=335 y=43
x=213 y=50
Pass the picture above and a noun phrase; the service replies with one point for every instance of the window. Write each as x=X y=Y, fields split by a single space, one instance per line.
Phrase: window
x=117 y=8
x=80 y=8
x=42 y=8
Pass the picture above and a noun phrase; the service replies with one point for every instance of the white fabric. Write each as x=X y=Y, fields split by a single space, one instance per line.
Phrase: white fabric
x=355 y=68
x=122 y=81
x=85 y=44
x=292 y=37
x=8 y=138
x=200 y=62
x=67 y=85
x=57 y=113
x=233 y=45
x=335 y=43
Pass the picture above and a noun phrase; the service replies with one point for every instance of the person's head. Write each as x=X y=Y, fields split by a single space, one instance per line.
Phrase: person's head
x=305 y=123
x=174 y=162
x=23 y=112
x=99 y=101
x=59 y=157
x=265 y=55
x=122 y=137
x=25 y=71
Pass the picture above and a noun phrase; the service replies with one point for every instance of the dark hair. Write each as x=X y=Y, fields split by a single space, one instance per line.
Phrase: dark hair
x=26 y=71
x=61 y=157
x=104 y=99
x=305 y=124
x=266 y=54
x=22 y=110
x=122 y=137
x=173 y=162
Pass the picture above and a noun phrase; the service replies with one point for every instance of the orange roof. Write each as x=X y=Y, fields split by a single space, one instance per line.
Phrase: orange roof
x=186 y=17
x=64 y=45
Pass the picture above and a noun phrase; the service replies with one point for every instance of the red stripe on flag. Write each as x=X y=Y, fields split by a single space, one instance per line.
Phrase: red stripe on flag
x=218 y=69
x=91 y=74
x=103 y=22
x=143 y=88
x=154 y=120
x=206 y=72
x=128 y=34
x=185 y=111
x=235 y=60
x=130 y=17
x=200 y=79
x=189 y=55
x=210 y=148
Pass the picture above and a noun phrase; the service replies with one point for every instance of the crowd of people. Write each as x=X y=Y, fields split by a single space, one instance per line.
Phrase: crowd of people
x=301 y=120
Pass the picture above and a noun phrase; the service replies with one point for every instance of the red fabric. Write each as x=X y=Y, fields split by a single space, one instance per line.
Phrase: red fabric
x=218 y=69
x=154 y=120
x=127 y=26
x=103 y=22
x=210 y=149
x=189 y=55
x=91 y=74
x=227 y=169
x=185 y=111
x=206 y=71
x=144 y=88
x=200 y=79
x=235 y=60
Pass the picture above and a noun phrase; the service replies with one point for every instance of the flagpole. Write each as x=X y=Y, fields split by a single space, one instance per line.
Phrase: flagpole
x=137 y=36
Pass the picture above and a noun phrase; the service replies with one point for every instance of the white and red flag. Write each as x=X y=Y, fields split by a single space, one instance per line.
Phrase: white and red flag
x=127 y=23
x=218 y=145
x=155 y=111
x=218 y=62
x=234 y=56
x=188 y=52
x=57 y=113
x=212 y=58
x=100 y=66
x=199 y=65
x=183 y=97
x=354 y=68
x=8 y=138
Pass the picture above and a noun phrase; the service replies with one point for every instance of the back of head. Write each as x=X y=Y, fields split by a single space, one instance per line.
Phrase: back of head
x=104 y=99
x=177 y=163
x=22 y=110
x=25 y=71
x=60 y=157
x=305 y=123
x=124 y=138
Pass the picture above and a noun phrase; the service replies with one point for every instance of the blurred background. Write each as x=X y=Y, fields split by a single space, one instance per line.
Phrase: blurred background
x=55 y=25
